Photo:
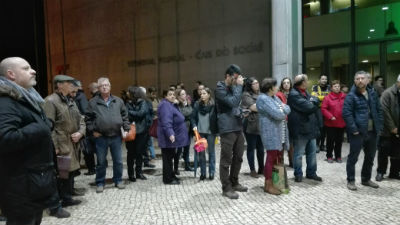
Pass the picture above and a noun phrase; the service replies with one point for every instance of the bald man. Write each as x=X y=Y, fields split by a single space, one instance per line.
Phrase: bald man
x=27 y=176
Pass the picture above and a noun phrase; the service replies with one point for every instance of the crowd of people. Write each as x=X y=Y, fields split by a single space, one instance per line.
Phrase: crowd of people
x=43 y=139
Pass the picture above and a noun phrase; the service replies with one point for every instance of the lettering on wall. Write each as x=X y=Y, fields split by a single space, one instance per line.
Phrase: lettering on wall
x=203 y=54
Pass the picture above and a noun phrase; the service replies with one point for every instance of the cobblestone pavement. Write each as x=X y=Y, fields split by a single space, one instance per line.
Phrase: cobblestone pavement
x=194 y=202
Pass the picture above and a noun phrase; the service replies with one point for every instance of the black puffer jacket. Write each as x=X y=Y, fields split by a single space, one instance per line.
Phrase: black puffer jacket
x=303 y=119
x=26 y=156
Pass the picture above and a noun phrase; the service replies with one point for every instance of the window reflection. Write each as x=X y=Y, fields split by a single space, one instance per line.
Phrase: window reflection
x=368 y=59
x=315 y=65
x=339 y=64
x=311 y=8
x=393 y=63
x=378 y=22
x=339 y=5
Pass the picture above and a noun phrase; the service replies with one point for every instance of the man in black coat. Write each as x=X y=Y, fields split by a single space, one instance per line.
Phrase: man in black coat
x=303 y=128
x=27 y=175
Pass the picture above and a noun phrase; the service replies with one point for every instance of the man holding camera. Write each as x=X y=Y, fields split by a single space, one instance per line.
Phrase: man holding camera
x=303 y=128
x=228 y=95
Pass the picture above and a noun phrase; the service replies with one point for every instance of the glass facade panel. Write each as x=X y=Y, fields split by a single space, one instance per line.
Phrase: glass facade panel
x=368 y=59
x=339 y=64
x=378 y=22
x=369 y=3
x=339 y=5
x=327 y=30
x=315 y=65
x=393 y=63
x=311 y=8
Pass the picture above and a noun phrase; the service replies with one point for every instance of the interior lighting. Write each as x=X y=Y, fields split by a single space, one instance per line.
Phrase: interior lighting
x=365 y=61
x=384 y=8
x=395 y=51
x=372 y=30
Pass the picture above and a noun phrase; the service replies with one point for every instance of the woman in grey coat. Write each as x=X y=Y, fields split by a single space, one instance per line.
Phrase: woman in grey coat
x=273 y=128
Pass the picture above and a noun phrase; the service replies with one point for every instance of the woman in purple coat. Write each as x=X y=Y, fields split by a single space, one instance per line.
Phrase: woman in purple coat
x=172 y=133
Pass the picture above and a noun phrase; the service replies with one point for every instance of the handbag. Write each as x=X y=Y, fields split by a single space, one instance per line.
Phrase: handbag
x=131 y=134
x=153 y=128
x=63 y=164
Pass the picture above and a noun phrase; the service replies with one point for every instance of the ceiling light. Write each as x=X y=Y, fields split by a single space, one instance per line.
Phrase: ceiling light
x=395 y=51
x=371 y=30
x=312 y=68
x=369 y=37
x=365 y=61
x=385 y=8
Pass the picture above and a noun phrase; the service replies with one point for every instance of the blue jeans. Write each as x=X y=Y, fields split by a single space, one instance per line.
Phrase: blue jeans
x=357 y=142
x=211 y=155
x=102 y=144
x=254 y=142
x=151 y=148
x=309 y=147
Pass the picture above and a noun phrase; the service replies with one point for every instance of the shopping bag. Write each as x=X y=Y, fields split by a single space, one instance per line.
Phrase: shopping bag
x=279 y=178
x=131 y=134
x=63 y=164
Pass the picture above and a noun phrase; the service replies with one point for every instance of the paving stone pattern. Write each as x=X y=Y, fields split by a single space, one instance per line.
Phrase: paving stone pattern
x=201 y=202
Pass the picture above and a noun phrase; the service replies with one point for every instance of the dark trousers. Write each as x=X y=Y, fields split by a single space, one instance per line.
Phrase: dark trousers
x=136 y=149
x=384 y=148
x=321 y=138
x=66 y=187
x=89 y=156
x=270 y=161
x=334 y=139
x=232 y=148
x=254 y=143
x=167 y=165
x=34 y=220
x=357 y=142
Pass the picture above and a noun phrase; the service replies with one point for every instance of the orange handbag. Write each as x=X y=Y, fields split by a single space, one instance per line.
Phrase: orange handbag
x=131 y=134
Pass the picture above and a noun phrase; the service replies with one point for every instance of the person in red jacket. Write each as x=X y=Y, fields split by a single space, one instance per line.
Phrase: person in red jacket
x=331 y=109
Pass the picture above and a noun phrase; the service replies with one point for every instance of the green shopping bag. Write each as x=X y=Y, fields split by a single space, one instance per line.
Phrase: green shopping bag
x=279 y=178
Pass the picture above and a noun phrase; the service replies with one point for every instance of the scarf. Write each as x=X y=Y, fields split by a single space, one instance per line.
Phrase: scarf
x=30 y=95
x=204 y=109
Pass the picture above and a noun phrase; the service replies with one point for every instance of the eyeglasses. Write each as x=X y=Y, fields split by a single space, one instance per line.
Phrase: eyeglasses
x=104 y=85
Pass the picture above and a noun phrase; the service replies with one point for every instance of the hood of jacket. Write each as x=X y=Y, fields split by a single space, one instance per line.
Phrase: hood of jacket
x=9 y=91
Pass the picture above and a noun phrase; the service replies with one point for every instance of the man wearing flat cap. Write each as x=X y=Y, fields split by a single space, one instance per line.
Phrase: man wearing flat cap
x=69 y=128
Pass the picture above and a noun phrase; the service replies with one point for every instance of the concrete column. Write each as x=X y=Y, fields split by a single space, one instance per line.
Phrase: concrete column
x=286 y=38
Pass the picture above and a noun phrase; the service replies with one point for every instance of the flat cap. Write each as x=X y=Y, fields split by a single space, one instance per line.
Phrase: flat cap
x=62 y=78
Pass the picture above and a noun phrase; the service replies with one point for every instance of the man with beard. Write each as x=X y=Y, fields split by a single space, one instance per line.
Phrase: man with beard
x=363 y=116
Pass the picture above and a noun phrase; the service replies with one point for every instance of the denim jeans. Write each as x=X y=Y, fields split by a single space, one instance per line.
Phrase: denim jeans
x=102 y=144
x=151 y=148
x=211 y=155
x=254 y=142
x=309 y=147
x=357 y=142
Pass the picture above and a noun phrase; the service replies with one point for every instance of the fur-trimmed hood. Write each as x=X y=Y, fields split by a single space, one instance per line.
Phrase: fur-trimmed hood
x=6 y=90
